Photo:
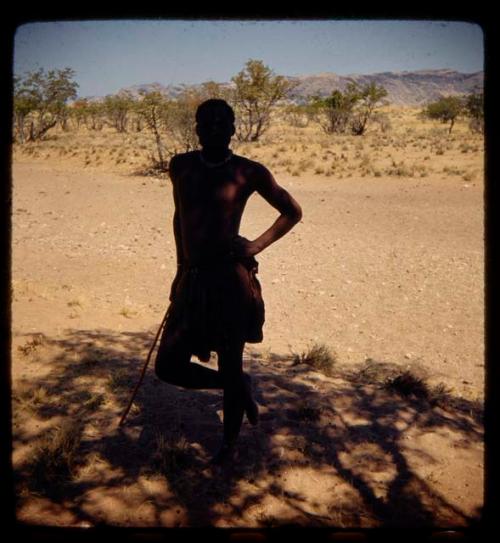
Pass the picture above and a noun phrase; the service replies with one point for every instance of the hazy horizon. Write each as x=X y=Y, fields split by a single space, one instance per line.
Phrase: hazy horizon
x=110 y=55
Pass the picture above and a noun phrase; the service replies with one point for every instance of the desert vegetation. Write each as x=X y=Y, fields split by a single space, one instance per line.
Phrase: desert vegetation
x=350 y=132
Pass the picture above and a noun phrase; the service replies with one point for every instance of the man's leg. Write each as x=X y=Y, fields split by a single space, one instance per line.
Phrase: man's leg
x=237 y=398
x=173 y=365
x=231 y=370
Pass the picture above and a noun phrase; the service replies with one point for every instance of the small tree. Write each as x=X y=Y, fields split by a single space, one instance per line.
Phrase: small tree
x=153 y=108
x=383 y=120
x=24 y=105
x=181 y=120
x=334 y=112
x=173 y=121
x=298 y=115
x=40 y=100
x=366 y=99
x=118 y=108
x=212 y=89
x=64 y=117
x=79 y=111
x=446 y=110
x=96 y=115
x=474 y=109
x=351 y=109
x=256 y=92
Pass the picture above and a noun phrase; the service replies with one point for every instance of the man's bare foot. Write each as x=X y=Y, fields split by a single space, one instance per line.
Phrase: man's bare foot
x=226 y=453
x=251 y=407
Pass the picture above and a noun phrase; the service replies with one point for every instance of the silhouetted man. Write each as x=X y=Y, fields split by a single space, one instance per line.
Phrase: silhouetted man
x=216 y=303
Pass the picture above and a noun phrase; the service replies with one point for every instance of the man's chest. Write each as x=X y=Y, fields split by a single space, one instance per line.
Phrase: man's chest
x=212 y=191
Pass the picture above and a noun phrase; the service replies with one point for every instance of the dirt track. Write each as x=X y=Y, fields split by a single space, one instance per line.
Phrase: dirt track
x=384 y=269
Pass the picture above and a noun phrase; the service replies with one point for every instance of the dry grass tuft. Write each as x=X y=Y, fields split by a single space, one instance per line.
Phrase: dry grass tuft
x=171 y=454
x=408 y=385
x=55 y=457
x=306 y=411
x=31 y=345
x=318 y=357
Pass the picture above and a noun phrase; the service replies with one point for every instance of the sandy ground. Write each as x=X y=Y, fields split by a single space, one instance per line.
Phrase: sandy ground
x=386 y=270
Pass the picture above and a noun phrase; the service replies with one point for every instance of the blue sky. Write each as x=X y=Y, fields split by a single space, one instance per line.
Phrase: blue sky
x=110 y=55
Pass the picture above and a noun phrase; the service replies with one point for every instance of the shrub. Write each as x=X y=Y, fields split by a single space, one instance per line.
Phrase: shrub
x=319 y=357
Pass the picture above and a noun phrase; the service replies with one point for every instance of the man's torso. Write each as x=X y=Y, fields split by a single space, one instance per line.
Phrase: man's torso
x=210 y=202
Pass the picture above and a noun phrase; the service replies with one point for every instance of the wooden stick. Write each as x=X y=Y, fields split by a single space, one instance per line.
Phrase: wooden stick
x=132 y=398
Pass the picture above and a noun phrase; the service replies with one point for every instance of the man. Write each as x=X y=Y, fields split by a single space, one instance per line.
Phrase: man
x=216 y=303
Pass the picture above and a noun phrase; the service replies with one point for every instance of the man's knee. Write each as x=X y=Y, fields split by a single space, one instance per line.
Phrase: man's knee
x=162 y=370
x=170 y=365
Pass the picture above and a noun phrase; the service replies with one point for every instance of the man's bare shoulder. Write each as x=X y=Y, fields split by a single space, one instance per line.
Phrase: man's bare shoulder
x=252 y=168
x=182 y=160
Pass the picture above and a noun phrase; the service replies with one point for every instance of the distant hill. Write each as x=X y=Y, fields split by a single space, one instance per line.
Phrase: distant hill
x=172 y=91
x=404 y=88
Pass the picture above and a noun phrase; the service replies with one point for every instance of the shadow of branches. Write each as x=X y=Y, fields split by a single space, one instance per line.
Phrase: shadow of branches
x=155 y=470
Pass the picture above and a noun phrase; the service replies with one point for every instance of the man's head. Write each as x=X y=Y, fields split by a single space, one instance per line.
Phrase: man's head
x=215 y=123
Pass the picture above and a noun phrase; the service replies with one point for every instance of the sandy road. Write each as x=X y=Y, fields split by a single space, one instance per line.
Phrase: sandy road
x=388 y=269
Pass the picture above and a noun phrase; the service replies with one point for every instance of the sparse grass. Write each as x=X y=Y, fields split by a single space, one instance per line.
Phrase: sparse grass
x=439 y=395
x=30 y=399
x=31 y=345
x=421 y=170
x=407 y=385
x=318 y=357
x=170 y=454
x=305 y=410
x=93 y=462
x=119 y=381
x=402 y=381
x=285 y=162
x=55 y=456
x=94 y=402
x=374 y=372
x=305 y=164
x=283 y=149
x=452 y=170
x=365 y=162
x=466 y=148
x=128 y=312
x=400 y=169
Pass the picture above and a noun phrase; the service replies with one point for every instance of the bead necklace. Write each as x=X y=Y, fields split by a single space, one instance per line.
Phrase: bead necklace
x=209 y=164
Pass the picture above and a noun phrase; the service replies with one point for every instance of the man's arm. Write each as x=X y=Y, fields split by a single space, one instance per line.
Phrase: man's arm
x=281 y=200
x=178 y=239
x=176 y=228
x=173 y=173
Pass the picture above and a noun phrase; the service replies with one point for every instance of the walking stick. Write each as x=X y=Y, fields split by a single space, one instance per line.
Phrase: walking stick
x=122 y=420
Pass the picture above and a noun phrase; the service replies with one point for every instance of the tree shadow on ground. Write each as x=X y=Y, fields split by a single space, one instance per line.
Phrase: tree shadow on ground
x=348 y=427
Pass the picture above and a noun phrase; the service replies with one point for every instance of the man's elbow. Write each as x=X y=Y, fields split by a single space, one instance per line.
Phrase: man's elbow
x=296 y=214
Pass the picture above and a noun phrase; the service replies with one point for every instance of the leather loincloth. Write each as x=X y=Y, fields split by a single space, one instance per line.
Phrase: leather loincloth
x=215 y=301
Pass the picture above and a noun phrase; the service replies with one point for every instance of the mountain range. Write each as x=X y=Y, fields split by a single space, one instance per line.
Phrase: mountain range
x=407 y=88
x=403 y=88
